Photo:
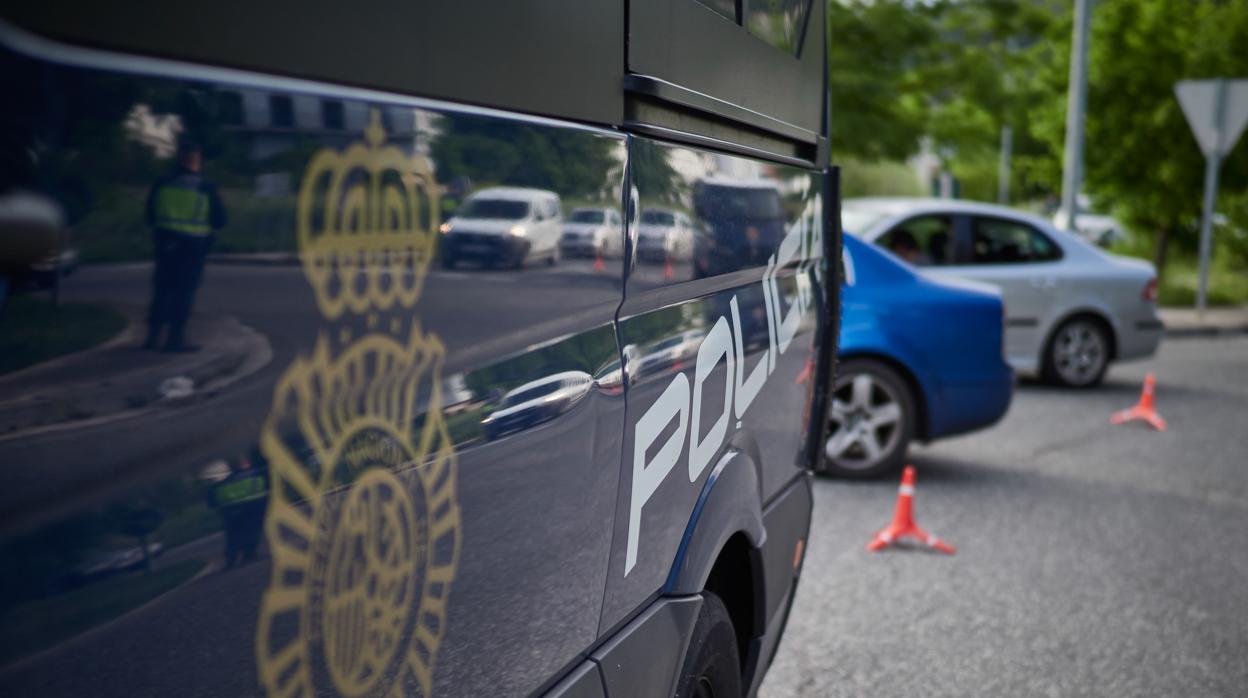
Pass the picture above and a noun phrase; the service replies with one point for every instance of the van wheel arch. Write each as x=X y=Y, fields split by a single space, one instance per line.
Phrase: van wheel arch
x=736 y=578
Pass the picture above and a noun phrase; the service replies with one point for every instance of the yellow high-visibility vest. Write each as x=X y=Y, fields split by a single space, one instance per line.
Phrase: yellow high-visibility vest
x=182 y=209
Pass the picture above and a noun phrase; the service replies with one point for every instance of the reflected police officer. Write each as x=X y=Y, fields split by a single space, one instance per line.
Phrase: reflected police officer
x=183 y=210
x=241 y=499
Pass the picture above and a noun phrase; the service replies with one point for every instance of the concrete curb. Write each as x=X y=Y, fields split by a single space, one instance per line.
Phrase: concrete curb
x=256 y=260
x=250 y=347
x=1206 y=331
x=1216 y=322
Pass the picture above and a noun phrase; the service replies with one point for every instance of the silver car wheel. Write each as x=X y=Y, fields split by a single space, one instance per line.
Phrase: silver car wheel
x=865 y=422
x=1080 y=352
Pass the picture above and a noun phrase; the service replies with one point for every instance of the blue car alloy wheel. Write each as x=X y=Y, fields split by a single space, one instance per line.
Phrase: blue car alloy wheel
x=870 y=421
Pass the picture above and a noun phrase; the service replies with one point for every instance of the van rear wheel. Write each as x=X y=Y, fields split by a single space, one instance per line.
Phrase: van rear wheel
x=712 y=664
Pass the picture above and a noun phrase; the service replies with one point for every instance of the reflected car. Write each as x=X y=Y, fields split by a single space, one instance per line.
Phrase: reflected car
x=610 y=378
x=664 y=235
x=105 y=563
x=1073 y=308
x=921 y=359
x=593 y=232
x=35 y=250
x=504 y=226
x=671 y=352
x=536 y=402
x=744 y=220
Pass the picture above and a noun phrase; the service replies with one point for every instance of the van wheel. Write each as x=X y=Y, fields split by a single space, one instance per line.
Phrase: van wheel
x=870 y=421
x=712 y=666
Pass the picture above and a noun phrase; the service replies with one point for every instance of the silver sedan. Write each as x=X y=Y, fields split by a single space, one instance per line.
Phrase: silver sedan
x=1071 y=308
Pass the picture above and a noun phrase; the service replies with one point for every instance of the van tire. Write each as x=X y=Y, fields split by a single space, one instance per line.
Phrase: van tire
x=712 y=664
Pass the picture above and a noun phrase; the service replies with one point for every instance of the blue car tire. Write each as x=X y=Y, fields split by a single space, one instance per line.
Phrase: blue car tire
x=870 y=420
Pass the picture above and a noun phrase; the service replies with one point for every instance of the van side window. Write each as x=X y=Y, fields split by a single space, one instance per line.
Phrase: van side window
x=780 y=23
x=727 y=8
x=923 y=241
x=999 y=241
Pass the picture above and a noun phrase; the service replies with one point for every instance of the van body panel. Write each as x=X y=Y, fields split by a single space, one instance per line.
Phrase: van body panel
x=281 y=446
x=724 y=349
x=338 y=365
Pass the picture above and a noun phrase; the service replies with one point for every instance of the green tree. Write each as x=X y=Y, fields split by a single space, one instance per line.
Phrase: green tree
x=656 y=179
x=1140 y=157
x=992 y=68
x=879 y=99
x=574 y=164
x=955 y=72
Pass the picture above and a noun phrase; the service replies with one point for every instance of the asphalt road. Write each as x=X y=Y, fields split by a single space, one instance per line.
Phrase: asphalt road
x=478 y=314
x=1092 y=559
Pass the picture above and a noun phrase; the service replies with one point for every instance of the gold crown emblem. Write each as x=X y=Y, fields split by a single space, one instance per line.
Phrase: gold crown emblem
x=366 y=221
x=362 y=523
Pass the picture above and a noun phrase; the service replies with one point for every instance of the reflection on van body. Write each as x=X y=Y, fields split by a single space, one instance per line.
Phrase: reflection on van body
x=505 y=226
x=536 y=402
x=664 y=236
x=744 y=221
x=360 y=415
x=590 y=232
x=670 y=352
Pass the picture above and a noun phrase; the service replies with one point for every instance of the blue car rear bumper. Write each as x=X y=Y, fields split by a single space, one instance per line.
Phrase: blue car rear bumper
x=961 y=407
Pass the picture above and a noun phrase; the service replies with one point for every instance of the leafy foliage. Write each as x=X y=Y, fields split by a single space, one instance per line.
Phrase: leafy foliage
x=1141 y=158
x=575 y=164
x=957 y=71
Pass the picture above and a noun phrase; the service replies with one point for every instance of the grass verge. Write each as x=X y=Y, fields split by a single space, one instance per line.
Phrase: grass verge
x=41 y=624
x=1226 y=286
x=33 y=330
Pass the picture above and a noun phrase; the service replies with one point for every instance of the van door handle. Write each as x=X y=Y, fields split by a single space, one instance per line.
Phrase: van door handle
x=1043 y=283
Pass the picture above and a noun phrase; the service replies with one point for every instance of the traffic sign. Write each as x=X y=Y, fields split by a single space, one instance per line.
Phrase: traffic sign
x=1216 y=110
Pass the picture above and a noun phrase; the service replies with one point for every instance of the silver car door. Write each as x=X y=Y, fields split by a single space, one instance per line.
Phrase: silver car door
x=1022 y=262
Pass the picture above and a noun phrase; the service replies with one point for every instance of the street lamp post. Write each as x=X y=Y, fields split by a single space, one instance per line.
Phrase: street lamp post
x=1076 y=107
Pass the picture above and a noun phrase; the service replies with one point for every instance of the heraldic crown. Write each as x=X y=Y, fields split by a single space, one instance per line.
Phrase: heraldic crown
x=366 y=221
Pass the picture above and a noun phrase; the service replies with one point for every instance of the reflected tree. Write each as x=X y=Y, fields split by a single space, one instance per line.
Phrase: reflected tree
x=575 y=164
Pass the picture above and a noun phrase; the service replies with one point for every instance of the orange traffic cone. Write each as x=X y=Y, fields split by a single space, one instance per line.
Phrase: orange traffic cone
x=667 y=269
x=598 y=265
x=1143 y=409
x=807 y=369
x=903 y=524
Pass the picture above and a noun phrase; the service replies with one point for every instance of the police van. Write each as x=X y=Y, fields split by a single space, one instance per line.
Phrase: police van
x=315 y=416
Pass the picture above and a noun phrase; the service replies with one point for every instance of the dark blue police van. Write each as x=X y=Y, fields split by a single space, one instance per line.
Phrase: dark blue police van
x=299 y=397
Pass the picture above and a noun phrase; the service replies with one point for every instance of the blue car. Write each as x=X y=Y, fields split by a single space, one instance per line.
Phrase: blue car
x=921 y=358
